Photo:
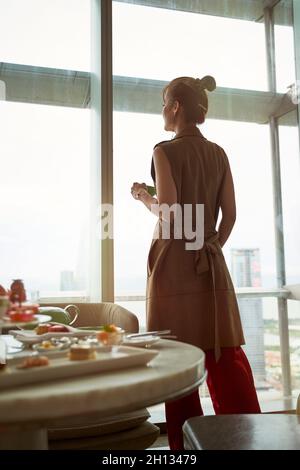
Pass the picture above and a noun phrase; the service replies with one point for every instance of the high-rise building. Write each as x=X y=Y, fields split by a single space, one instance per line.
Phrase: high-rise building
x=245 y=271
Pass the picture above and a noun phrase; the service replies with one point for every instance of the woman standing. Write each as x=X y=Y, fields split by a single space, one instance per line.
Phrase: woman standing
x=190 y=292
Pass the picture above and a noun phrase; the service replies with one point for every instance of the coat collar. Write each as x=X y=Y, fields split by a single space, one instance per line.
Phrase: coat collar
x=189 y=131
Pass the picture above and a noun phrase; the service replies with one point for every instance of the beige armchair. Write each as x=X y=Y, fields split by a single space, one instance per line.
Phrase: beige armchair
x=129 y=431
x=94 y=314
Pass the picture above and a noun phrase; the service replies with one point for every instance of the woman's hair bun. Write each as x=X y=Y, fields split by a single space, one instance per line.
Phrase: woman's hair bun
x=207 y=83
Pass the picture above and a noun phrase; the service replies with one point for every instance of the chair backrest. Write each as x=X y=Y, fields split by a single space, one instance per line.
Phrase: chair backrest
x=97 y=314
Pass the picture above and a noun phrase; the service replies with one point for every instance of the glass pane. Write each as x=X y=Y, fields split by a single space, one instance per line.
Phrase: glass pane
x=46 y=33
x=290 y=178
x=44 y=197
x=133 y=224
x=162 y=44
x=294 y=332
x=248 y=148
x=256 y=314
x=284 y=45
x=271 y=339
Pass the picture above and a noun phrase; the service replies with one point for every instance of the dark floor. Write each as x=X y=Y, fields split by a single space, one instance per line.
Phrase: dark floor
x=161 y=443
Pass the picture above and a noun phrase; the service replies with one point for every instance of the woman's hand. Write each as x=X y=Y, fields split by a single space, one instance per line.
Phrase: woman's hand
x=137 y=189
x=140 y=192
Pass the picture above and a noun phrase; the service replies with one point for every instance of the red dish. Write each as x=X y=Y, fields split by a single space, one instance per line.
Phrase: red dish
x=16 y=316
x=25 y=313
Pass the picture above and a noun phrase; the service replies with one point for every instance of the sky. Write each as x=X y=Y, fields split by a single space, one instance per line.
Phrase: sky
x=45 y=150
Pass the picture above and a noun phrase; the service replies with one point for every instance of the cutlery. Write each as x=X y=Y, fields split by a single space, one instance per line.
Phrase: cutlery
x=149 y=333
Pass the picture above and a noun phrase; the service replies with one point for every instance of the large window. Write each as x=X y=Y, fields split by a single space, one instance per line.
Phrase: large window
x=248 y=148
x=284 y=46
x=294 y=338
x=44 y=197
x=46 y=33
x=290 y=174
x=45 y=150
x=163 y=44
x=135 y=137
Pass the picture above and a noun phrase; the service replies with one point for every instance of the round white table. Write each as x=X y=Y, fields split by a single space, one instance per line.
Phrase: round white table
x=27 y=411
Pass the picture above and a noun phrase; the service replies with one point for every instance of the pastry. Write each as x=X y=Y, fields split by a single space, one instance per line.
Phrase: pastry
x=34 y=361
x=42 y=328
x=81 y=352
x=47 y=344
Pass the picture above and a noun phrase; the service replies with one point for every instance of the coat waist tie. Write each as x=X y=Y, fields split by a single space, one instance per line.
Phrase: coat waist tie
x=204 y=261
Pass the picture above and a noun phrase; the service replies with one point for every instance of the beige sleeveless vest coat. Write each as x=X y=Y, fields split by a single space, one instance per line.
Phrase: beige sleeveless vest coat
x=191 y=292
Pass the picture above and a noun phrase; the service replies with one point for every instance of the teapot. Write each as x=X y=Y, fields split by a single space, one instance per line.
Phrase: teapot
x=66 y=316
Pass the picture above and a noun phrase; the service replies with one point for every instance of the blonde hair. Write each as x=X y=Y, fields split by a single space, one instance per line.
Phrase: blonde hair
x=190 y=93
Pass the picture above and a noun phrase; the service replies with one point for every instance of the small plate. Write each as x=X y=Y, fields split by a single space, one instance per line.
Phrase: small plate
x=57 y=347
x=142 y=341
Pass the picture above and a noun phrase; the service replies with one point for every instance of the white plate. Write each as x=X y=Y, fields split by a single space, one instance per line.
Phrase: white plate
x=60 y=367
x=36 y=319
x=30 y=336
x=142 y=341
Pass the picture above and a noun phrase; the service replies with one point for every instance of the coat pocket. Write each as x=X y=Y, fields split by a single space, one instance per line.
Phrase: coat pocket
x=151 y=258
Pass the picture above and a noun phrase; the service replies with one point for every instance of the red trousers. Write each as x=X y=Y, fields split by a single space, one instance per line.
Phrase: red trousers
x=231 y=387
